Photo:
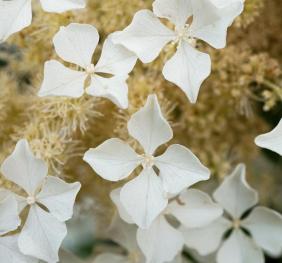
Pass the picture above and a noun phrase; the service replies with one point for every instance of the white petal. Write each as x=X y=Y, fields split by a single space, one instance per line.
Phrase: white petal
x=9 y=215
x=76 y=43
x=180 y=168
x=265 y=226
x=111 y=258
x=22 y=168
x=149 y=127
x=61 y=81
x=187 y=69
x=145 y=36
x=62 y=5
x=271 y=140
x=161 y=242
x=143 y=198
x=195 y=208
x=115 y=59
x=211 y=26
x=115 y=89
x=206 y=240
x=239 y=248
x=234 y=194
x=21 y=201
x=177 y=11
x=113 y=160
x=10 y=253
x=59 y=197
x=115 y=196
x=42 y=235
x=14 y=16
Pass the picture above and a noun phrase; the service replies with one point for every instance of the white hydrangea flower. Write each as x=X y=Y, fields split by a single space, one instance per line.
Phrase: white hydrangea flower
x=271 y=140
x=145 y=196
x=192 y=208
x=76 y=44
x=50 y=201
x=17 y=14
x=188 y=68
x=263 y=225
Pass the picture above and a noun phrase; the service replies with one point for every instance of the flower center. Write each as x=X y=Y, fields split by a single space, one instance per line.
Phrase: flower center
x=31 y=200
x=90 y=69
x=185 y=34
x=236 y=223
x=148 y=160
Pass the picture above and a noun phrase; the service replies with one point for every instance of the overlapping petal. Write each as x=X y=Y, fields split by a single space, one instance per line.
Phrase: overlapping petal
x=149 y=127
x=180 y=168
x=113 y=160
x=234 y=194
x=22 y=168
x=161 y=242
x=145 y=36
x=143 y=198
x=62 y=5
x=187 y=69
x=271 y=140
x=265 y=226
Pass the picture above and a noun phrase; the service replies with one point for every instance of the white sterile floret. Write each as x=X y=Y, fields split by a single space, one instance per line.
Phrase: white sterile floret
x=17 y=14
x=248 y=236
x=50 y=201
x=76 y=44
x=145 y=196
x=271 y=140
x=146 y=36
x=162 y=241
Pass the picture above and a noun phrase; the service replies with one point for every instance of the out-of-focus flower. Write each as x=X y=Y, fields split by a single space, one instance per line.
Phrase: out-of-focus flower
x=17 y=14
x=247 y=236
x=271 y=140
x=144 y=197
x=43 y=232
x=188 y=68
x=76 y=44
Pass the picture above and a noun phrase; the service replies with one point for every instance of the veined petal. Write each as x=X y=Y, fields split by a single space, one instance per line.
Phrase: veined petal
x=149 y=127
x=111 y=258
x=143 y=198
x=22 y=168
x=145 y=36
x=62 y=5
x=239 y=248
x=76 y=43
x=195 y=209
x=21 y=201
x=10 y=253
x=115 y=59
x=265 y=226
x=234 y=194
x=115 y=89
x=113 y=160
x=211 y=20
x=177 y=11
x=206 y=240
x=180 y=168
x=271 y=140
x=14 y=16
x=61 y=81
x=59 y=197
x=160 y=242
x=9 y=215
x=115 y=196
x=187 y=69
x=42 y=235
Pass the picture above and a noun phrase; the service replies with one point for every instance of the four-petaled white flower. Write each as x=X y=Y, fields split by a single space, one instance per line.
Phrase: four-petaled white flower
x=17 y=14
x=188 y=68
x=50 y=202
x=162 y=241
x=271 y=140
x=76 y=44
x=145 y=196
x=248 y=234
